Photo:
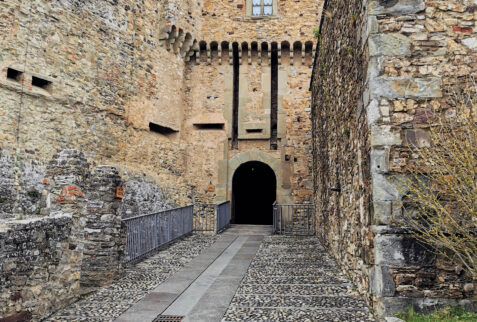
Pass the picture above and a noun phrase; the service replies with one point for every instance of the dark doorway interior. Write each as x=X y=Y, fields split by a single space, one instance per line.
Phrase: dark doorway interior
x=254 y=189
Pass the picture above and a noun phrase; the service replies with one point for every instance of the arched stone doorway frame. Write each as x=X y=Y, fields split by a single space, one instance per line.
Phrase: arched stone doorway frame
x=279 y=168
x=253 y=211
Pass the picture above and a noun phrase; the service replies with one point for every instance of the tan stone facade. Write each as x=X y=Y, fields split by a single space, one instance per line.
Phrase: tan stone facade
x=138 y=87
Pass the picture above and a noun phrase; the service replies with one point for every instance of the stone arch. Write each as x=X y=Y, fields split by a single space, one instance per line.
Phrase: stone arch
x=228 y=168
x=178 y=43
x=173 y=34
x=248 y=156
x=214 y=51
x=264 y=53
x=285 y=52
x=254 y=51
x=308 y=53
x=225 y=48
x=297 y=53
x=188 y=41
x=202 y=51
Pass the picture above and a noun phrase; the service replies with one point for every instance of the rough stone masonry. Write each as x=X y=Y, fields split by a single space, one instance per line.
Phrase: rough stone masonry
x=391 y=66
x=170 y=98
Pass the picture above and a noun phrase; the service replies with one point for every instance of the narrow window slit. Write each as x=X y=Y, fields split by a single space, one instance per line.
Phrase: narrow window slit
x=210 y=126
x=254 y=130
x=41 y=83
x=13 y=74
x=153 y=127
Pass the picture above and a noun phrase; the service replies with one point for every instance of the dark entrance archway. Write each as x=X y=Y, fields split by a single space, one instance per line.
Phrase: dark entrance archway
x=254 y=190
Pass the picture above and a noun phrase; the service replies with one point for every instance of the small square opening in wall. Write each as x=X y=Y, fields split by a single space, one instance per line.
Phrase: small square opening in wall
x=41 y=83
x=13 y=74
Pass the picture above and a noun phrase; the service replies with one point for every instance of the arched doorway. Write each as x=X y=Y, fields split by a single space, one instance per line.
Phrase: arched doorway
x=254 y=190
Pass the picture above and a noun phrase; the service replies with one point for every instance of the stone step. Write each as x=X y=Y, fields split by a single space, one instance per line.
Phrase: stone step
x=310 y=301
x=295 y=314
x=252 y=278
x=296 y=289
x=272 y=270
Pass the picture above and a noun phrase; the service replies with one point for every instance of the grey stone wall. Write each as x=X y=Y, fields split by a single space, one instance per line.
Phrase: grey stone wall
x=143 y=196
x=26 y=199
x=103 y=239
x=38 y=265
x=382 y=70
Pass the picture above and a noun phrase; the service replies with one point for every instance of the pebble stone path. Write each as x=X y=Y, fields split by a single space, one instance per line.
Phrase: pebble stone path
x=294 y=279
x=288 y=278
x=109 y=302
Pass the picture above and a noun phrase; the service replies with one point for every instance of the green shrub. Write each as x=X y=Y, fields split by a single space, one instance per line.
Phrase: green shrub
x=445 y=315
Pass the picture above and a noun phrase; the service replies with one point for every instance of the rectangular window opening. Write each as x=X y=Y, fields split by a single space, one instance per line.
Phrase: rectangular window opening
x=13 y=74
x=210 y=126
x=274 y=100
x=41 y=83
x=153 y=127
x=254 y=130
x=235 y=114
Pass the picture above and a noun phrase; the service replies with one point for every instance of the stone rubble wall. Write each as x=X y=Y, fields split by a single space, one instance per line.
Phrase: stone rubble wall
x=30 y=175
x=38 y=265
x=342 y=184
x=76 y=242
x=104 y=240
x=386 y=68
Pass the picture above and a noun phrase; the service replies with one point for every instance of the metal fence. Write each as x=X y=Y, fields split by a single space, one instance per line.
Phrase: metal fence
x=223 y=215
x=211 y=218
x=293 y=219
x=146 y=233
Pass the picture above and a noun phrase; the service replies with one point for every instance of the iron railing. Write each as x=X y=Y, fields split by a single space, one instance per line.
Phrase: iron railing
x=147 y=233
x=293 y=219
x=223 y=215
x=211 y=218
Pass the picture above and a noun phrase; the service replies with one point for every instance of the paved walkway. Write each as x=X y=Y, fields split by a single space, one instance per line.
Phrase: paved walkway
x=203 y=289
x=244 y=274
x=111 y=301
x=294 y=279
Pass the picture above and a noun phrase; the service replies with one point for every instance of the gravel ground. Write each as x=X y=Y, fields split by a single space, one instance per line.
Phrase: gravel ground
x=294 y=279
x=109 y=302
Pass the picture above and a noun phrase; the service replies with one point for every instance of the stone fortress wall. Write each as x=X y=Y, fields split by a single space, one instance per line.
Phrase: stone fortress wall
x=104 y=84
x=393 y=66
x=139 y=87
x=147 y=89
x=134 y=91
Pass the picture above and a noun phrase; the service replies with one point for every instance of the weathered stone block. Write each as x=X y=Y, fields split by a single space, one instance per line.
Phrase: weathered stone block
x=384 y=135
x=406 y=87
x=417 y=138
x=381 y=281
x=399 y=250
x=393 y=44
x=396 y=7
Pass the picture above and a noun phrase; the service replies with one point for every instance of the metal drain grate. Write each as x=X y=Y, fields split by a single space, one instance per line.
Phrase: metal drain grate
x=169 y=318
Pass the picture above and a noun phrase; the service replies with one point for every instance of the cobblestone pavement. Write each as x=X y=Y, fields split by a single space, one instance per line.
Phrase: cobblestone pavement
x=294 y=279
x=109 y=302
